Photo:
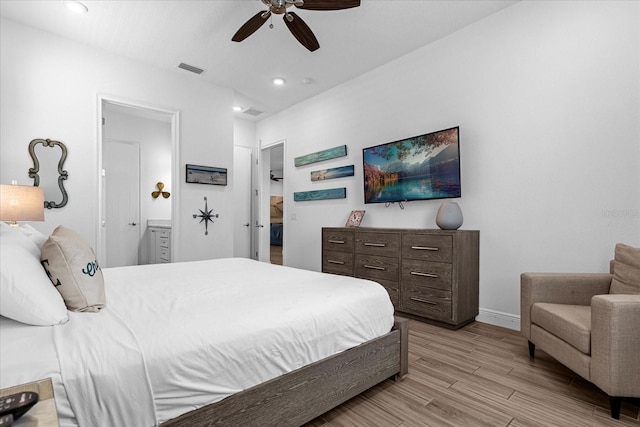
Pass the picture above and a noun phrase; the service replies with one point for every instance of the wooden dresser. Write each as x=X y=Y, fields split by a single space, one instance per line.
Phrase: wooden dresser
x=430 y=274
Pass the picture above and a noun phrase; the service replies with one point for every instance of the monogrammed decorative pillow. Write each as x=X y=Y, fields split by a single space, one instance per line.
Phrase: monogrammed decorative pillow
x=72 y=267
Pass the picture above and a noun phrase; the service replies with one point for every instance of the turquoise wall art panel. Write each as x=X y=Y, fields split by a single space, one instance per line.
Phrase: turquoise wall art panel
x=332 y=193
x=319 y=156
x=332 y=173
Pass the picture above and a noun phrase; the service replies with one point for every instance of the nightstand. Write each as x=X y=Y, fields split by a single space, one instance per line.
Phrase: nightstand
x=43 y=413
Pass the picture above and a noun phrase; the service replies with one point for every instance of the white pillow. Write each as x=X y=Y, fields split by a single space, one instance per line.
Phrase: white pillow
x=13 y=236
x=34 y=235
x=26 y=293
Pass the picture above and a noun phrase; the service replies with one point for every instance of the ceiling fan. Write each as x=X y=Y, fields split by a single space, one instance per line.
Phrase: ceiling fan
x=275 y=178
x=296 y=25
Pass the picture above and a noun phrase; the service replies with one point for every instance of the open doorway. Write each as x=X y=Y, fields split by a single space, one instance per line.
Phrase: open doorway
x=137 y=148
x=271 y=224
x=276 y=203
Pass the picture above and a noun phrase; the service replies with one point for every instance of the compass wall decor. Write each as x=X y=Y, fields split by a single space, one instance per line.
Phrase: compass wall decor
x=206 y=216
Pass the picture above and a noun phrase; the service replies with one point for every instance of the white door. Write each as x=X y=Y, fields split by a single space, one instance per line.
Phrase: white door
x=242 y=163
x=121 y=163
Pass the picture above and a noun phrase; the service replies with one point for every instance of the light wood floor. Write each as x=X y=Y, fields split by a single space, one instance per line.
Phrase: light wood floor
x=276 y=255
x=480 y=375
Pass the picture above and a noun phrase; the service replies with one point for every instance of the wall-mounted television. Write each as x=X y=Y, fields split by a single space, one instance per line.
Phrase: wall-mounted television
x=423 y=167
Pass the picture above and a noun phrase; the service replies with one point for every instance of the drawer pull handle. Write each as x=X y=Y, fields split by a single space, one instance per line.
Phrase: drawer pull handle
x=377 y=245
x=373 y=267
x=330 y=261
x=417 y=273
x=424 y=248
x=423 y=300
x=338 y=242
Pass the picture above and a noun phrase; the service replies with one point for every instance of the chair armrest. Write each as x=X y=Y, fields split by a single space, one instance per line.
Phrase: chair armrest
x=615 y=344
x=558 y=288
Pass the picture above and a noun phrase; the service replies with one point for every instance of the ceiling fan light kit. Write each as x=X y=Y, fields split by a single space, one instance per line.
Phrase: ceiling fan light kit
x=294 y=23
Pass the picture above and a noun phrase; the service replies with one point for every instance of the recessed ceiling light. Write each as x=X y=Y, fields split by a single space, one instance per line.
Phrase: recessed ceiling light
x=76 y=6
x=278 y=81
x=237 y=108
x=308 y=81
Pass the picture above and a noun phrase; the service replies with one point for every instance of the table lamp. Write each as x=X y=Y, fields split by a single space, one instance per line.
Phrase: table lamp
x=21 y=203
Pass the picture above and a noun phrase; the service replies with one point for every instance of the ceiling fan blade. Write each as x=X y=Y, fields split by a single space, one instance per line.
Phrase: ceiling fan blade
x=302 y=32
x=251 y=26
x=329 y=4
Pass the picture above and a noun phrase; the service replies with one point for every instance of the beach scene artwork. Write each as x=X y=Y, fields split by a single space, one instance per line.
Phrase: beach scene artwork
x=206 y=175
x=332 y=173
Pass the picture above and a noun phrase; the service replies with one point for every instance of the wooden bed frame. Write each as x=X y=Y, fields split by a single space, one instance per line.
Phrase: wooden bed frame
x=306 y=393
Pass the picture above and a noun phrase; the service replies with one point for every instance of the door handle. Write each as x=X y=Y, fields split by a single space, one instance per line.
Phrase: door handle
x=246 y=225
x=132 y=223
x=259 y=225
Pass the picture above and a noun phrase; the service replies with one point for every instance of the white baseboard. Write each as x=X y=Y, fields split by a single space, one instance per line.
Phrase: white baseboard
x=498 y=318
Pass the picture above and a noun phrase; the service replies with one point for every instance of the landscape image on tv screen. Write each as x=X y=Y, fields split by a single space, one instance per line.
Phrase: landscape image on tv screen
x=419 y=168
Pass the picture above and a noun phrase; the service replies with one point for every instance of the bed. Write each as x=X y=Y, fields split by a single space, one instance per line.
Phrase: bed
x=218 y=342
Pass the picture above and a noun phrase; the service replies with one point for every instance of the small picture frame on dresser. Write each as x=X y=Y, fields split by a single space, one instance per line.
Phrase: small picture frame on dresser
x=355 y=218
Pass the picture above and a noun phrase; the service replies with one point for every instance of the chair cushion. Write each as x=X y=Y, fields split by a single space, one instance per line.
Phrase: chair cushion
x=626 y=270
x=571 y=323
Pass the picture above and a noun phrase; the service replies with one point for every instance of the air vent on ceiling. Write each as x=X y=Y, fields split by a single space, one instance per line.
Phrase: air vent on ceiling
x=252 y=112
x=190 y=68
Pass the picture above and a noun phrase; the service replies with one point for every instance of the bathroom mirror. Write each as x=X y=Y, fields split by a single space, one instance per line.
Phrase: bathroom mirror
x=47 y=171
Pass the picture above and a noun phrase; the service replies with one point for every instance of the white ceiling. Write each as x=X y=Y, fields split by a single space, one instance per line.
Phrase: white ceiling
x=165 y=33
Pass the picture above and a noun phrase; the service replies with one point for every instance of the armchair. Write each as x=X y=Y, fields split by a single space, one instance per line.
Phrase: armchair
x=589 y=323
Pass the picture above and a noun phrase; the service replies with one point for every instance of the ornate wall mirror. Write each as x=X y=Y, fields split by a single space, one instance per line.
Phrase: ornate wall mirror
x=47 y=171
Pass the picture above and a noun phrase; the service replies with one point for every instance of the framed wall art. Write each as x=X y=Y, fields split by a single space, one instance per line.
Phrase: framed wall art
x=319 y=156
x=206 y=175
x=332 y=173
x=332 y=193
x=355 y=218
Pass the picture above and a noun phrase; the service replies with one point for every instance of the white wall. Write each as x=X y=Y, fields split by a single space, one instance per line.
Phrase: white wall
x=50 y=88
x=244 y=133
x=154 y=140
x=547 y=97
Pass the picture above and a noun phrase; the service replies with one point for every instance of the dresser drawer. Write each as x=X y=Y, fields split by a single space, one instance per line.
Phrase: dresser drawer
x=165 y=255
x=384 y=244
x=337 y=240
x=337 y=262
x=376 y=267
x=164 y=242
x=428 y=247
x=433 y=304
x=427 y=274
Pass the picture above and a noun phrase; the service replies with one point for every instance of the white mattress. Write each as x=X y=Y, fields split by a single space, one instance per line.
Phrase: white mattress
x=175 y=337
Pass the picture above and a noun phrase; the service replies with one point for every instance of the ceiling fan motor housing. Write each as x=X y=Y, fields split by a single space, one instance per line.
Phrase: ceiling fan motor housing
x=279 y=7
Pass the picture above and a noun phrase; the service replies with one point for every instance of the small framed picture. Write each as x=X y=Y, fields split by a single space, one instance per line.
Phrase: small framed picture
x=206 y=175
x=355 y=218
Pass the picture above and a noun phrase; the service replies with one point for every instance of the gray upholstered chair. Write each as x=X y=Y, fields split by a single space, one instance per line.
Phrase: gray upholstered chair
x=589 y=322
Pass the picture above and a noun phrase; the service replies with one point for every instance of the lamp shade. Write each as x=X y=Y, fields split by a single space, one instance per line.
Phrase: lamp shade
x=21 y=203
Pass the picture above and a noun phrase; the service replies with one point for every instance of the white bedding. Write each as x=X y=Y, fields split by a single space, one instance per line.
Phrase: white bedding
x=178 y=336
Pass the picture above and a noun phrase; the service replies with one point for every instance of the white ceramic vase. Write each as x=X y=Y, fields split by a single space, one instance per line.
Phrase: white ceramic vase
x=449 y=216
